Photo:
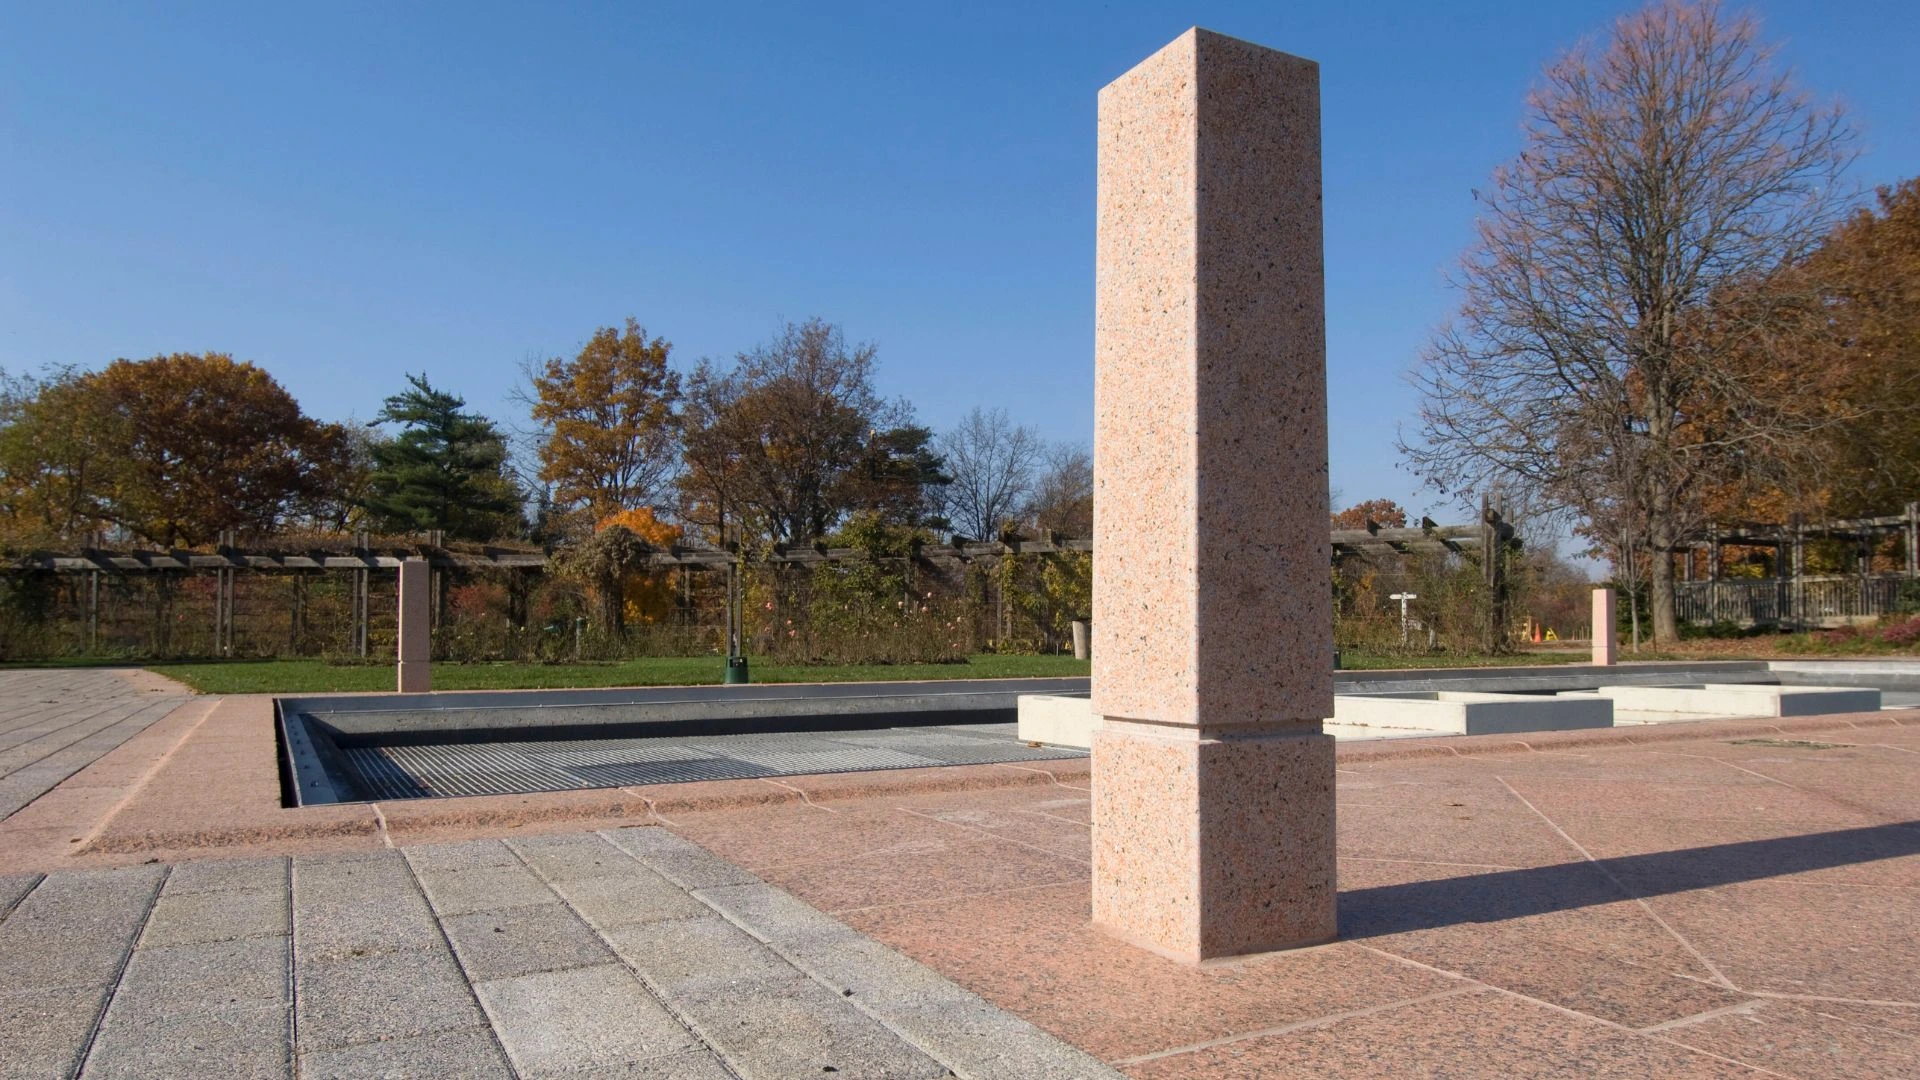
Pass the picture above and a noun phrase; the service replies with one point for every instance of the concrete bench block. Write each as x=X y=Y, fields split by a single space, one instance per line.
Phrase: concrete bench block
x=1710 y=701
x=1467 y=713
x=1057 y=719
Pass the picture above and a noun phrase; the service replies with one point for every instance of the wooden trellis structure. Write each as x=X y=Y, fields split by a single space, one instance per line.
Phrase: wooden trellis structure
x=363 y=556
x=1792 y=597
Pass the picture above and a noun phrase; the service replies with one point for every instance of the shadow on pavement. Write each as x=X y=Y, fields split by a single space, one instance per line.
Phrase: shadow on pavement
x=1515 y=894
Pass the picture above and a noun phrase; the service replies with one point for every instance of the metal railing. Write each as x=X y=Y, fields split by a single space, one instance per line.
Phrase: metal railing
x=1807 y=601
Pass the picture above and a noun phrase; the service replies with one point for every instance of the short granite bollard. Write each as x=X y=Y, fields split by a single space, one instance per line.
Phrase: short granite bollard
x=1603 y=632
x=416 y=637
x=1213 y=808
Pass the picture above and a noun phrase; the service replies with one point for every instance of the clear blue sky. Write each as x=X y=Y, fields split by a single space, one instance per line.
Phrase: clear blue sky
x=345 y=192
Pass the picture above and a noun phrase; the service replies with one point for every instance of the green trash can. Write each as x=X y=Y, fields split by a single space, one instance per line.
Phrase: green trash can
x=736 y=670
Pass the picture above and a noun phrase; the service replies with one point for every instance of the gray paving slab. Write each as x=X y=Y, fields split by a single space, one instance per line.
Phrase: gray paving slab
x=13 y=889
x=198 y=1008
x=43 y=1032
x=55 y=723
x=382 y=998
x=968 y=1034
x=971 y=1036
x=462 y=856
x=792 y=1026
x=77 y=928
x=699 y=1065
x=223 y=875
x=689 y=955
x=757 y=1011
x=359 y=905
x=21 y=787
x=774 y=915
x=522 y=941
x=680 y=861
x=217 y=916
x=640 y=897
x=577 y=857
x=229 y=1059
x=472 y=1054
x=245 y=973
x=588 y=960
x=593 y=1020
x=484 y=888
x=223 y=1041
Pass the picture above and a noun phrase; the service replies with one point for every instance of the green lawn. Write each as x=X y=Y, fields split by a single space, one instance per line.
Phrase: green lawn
x=1351 y=661
x=318 y=676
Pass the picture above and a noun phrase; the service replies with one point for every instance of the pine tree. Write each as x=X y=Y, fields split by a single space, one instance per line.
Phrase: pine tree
x=446 y=469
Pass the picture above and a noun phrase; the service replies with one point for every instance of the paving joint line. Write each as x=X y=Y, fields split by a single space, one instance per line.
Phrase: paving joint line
x=146 y=777
x=292 y=1027
x=1638 y=1034
x=804 y=797
x=1872 y=813
x=1737 y=1008
x=413 y=875
x=837 y=912
x=1056 y=817
x=95 y=715
x=653 y=990
x=1777 y=996
x=1720 y=976
x=990 y=834
x=120 y=973
x=39 y=879
x=1300 y=1025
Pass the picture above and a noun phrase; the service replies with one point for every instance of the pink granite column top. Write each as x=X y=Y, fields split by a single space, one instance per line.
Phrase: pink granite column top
x=1211 y=602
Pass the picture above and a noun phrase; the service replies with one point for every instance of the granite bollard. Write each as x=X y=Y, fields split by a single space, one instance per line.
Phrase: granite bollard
x=1603 y=632
x=415 y=644
x=1213 y=799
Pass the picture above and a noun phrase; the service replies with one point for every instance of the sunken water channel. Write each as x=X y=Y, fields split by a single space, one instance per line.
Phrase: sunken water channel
x=353 y=748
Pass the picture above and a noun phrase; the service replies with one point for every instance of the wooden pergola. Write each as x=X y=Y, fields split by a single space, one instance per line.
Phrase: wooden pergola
x=361 y=555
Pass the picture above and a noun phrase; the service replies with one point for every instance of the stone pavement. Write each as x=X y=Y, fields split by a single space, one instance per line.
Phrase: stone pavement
x=1731 y=898
x=1728 y=901
x=628 y=952
x=53 y=723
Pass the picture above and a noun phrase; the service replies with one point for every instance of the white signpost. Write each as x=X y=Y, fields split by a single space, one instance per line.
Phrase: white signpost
x=1403 y=597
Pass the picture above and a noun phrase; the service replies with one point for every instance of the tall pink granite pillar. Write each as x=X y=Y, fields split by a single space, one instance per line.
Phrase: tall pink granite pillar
x=1603 y=632
x=1213 y=819
x=416 y=638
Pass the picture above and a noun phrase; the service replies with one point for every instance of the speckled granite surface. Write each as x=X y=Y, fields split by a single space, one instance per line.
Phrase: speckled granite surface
x=1213 y=794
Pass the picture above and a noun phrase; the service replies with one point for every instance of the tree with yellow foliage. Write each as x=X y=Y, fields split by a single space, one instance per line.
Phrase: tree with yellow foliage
x=608 y=420
x=646 y=596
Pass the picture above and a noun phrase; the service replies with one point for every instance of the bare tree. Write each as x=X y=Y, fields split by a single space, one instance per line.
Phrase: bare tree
x=1062 y=499
x=992 y=461
x=1667 y=163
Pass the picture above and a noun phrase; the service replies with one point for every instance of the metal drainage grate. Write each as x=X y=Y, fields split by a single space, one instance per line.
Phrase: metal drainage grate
x=507 y=768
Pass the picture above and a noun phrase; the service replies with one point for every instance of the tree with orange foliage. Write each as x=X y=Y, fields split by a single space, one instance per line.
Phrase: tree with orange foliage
x=646 y=596
x=1851 y=314
x=608 y=415
x=1385 y=512
x=174 y=449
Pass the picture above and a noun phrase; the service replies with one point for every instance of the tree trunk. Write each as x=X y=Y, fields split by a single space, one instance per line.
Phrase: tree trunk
x=1666 y=626
x=612 y=598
